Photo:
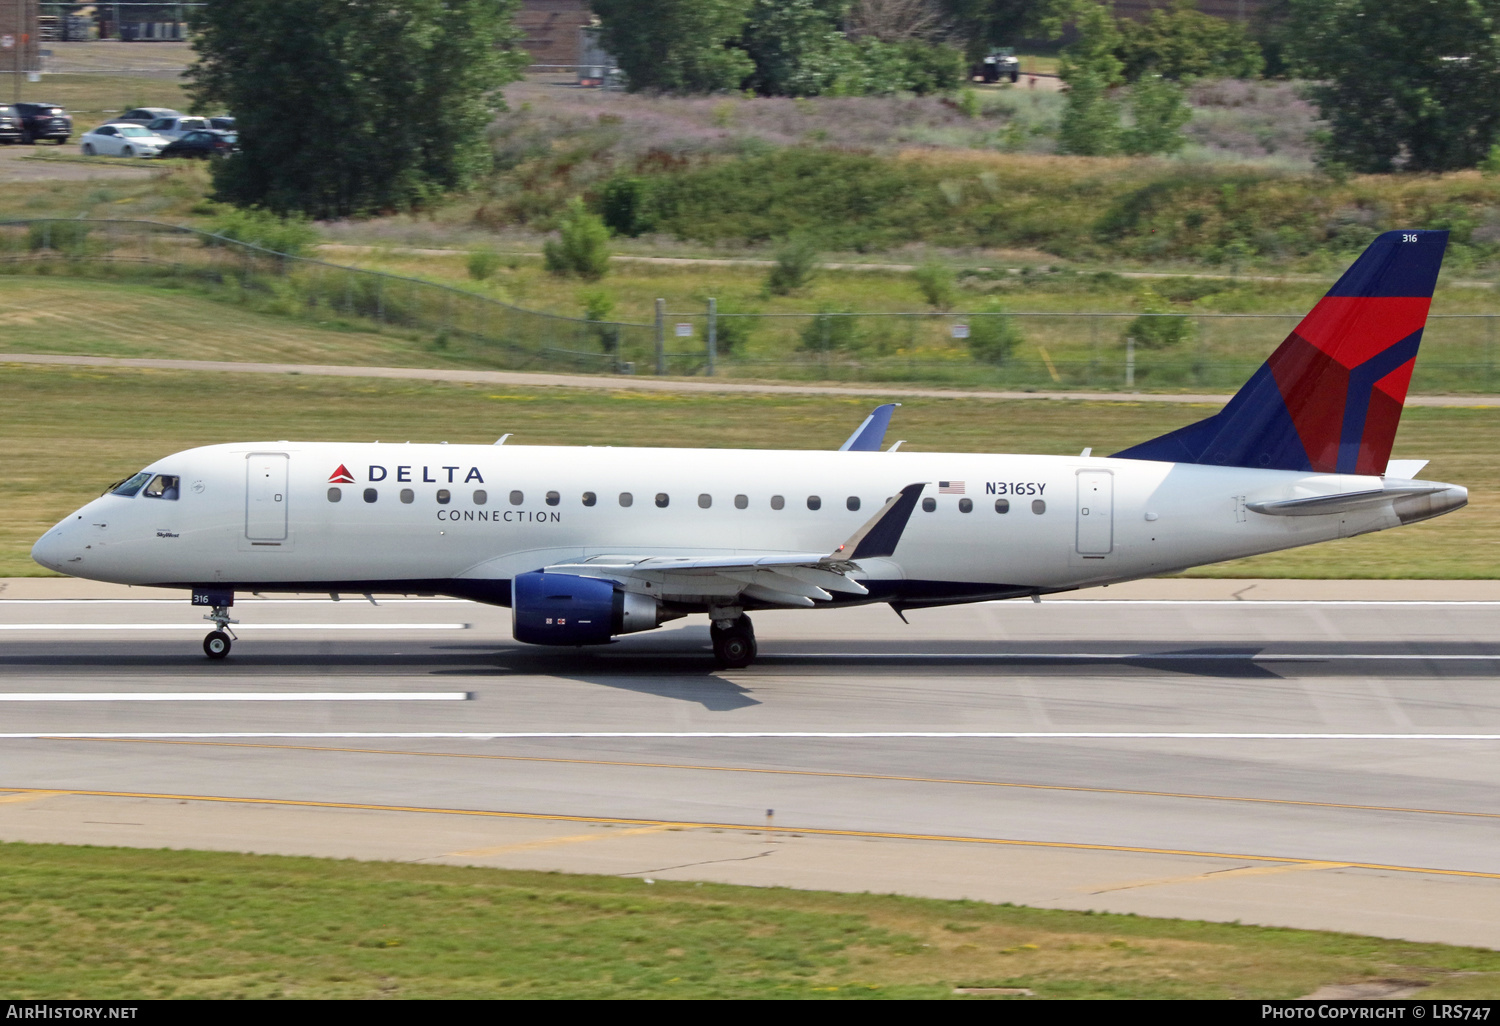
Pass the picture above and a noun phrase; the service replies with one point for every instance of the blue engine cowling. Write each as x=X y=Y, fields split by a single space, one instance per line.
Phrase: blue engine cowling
x=564 y=609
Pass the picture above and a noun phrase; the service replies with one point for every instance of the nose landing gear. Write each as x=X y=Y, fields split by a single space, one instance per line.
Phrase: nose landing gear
x=216 y=644
x=734 y=642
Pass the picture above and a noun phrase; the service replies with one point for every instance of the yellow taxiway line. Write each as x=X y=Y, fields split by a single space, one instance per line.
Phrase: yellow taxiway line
x=754 y=828
x=891 y=777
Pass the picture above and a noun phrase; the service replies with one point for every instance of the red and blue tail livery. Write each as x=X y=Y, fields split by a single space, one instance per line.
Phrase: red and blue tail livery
x=1329 y=399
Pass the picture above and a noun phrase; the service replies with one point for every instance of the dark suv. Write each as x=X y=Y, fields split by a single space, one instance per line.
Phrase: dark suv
x=10 y=124
x=44 y=121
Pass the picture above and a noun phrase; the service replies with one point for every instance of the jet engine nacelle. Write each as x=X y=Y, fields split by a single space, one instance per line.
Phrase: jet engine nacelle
x=564 y=609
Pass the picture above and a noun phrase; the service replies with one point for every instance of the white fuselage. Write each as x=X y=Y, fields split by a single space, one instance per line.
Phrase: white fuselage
x=261 y=515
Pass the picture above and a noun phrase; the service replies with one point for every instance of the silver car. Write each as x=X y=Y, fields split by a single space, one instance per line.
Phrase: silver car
x=121 y=140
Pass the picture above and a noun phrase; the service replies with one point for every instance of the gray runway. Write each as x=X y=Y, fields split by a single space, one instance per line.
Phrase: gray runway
x=1325 y=762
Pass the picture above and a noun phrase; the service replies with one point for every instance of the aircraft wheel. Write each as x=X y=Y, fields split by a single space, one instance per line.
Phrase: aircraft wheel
x=735 y=647
x=216 y=645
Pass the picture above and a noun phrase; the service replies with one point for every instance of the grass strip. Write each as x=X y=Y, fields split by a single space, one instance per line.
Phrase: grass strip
x=125 y=923
x=68 y=432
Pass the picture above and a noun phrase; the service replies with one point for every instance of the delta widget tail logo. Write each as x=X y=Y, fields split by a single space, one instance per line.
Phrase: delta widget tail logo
x=1329 y=399
x=341 y=476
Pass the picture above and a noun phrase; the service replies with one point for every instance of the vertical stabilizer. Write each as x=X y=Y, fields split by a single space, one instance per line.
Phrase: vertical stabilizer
x=1329 y=399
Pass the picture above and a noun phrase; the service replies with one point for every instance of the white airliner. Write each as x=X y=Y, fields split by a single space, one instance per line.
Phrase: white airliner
x=584 y=544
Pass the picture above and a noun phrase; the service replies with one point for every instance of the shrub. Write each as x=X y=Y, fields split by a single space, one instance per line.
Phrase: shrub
x=796 y=265
x=67 y=237
x=598 y=306
x=1155 y=329
x=935 y=280
x=732 y=334
x=624 y=206
x=828 y=332
x=993 y=338
x=968 y=104
x=1159 y=112
x=292 y=235
x=483 y=263
x=583 y=245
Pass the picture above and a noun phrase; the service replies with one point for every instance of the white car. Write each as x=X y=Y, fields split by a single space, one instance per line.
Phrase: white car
x=121 y=140
x=178 y=126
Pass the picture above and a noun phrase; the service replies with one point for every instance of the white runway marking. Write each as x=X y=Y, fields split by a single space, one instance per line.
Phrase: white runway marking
x=1195 y=657
x=234 y=696
x=239 y=627
x=1002 y=735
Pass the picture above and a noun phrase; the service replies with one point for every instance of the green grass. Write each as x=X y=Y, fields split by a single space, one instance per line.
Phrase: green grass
x=108 y=923
x=68 y=432
x=89 y=97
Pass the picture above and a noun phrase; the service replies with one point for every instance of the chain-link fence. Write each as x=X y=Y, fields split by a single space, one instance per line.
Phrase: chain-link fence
x=1042 y=351
x=447 y=317
x=1016 y=351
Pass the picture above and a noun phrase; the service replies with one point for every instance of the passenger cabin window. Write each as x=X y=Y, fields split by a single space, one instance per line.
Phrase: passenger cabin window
x=626 y=498
x=662 y=500
x=589 y=498
x=162 y=486
x=371 y=495
x=1038 y=506
x=813 y=502
x=1002 y=505
x=130 y=485
x=444 y=496
x=852 y=503
x=516 y=498
x=741 y=501
x=705 y=500
x=553 y=498
x=778 y=501
x=966 y=505
x=928 y=505
x=335 y=494
x=408 y=496
x=481 y=496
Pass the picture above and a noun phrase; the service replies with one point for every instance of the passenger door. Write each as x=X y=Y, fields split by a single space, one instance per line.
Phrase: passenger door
x=266 y=497
x=1096 y=512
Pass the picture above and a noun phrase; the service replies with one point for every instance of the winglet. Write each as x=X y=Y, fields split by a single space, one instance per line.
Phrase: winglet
x=880 y=535
x=868 y=436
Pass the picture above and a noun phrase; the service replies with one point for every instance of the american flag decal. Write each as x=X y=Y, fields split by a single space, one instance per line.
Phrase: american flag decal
x=950 y=487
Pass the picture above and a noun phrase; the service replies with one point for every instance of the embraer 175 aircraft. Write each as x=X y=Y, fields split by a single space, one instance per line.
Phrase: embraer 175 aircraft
x=587 y=543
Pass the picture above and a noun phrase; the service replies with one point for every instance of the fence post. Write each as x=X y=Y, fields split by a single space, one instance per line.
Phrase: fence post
x=1489 y=355
x=1130 y=361
x=661 y=337
x=713 y=334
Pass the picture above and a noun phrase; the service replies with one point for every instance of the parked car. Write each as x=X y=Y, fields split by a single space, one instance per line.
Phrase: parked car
x=44 y=121
x=121 y=140
x=146 y=115
x=224 y=124
x=10 y=124
x=202 y=144
x=178 y=126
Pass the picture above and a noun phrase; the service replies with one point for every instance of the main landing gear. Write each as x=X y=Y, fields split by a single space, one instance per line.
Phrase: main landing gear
x=216 y=644
x=734 y=642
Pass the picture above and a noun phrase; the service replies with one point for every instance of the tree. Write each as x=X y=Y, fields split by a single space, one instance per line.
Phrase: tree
x=1402 y=83
x=1158 y=109
x=582 y=246
x=351 y=107
x=1182 y=43
x=678 y=46
x=796 y=45
x=1090 y=123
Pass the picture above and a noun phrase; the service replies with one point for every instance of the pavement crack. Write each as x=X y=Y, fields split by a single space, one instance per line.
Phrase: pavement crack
x=705 y=862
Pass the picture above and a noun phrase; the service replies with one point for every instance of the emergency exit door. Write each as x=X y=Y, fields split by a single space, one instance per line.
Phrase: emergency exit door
x=1096 y=512
x=265 y=496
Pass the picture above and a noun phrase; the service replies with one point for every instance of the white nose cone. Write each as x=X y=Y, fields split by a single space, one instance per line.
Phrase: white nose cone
x=50 y=549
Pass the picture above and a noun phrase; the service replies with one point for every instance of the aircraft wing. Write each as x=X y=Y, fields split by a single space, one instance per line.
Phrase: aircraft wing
x=770 y=578
x=871 y=432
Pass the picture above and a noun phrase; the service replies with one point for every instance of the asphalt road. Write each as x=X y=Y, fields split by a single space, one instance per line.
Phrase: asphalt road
x=1309 y=758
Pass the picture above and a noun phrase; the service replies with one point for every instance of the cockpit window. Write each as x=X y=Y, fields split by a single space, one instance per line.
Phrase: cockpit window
x=130 y=485
x=162 y=486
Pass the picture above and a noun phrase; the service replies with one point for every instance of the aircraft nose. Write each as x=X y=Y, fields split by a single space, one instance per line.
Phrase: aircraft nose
x=52 y=549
